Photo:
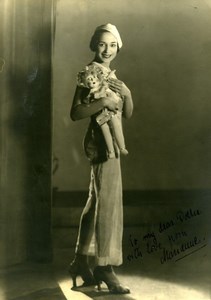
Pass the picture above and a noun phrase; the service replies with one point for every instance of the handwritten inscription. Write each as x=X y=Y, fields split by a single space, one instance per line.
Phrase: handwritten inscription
x=178 y=245
x=176 y=236
x=170 y=254
x=181 y=216
x=152 y=243
x=187 y=215
x=136 y=251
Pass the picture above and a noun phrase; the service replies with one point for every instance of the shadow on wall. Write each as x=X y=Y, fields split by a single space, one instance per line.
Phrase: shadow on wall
x=26 y=210
x=31 y=123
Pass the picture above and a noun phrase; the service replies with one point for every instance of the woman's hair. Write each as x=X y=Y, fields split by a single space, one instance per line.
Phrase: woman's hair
x=96 y=38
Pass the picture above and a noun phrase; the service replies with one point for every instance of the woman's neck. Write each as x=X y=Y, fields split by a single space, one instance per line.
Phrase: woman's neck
x=106 y=65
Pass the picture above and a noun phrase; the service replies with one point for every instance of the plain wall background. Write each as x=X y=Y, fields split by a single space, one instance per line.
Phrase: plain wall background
x=166 y=62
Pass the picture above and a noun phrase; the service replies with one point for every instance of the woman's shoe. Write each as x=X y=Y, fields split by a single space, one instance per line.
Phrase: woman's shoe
x=78 y=268
x=107 y=275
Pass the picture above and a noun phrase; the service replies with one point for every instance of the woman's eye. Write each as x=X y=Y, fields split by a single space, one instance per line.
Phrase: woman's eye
x=100 y=44
x=113 y=45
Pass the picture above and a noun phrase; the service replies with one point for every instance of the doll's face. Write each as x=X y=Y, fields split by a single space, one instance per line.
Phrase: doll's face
x=106 y=49
x=92 y=81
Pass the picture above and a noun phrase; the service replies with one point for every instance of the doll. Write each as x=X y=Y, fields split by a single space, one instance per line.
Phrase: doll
x=95 y=80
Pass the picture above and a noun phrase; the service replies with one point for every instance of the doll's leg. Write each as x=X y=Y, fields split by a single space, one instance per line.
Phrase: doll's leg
x=118 y=134
x=108 y=139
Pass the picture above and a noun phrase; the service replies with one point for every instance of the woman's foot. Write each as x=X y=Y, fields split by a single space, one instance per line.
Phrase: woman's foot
x=107 y=275
x=79 y=267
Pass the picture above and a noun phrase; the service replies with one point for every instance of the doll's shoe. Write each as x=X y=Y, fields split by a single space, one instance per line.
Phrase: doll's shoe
x=78 y=268
x=124 y=151
x=107 y=275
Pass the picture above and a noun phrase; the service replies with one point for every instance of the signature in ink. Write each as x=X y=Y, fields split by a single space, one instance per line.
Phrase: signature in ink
x=168 y=255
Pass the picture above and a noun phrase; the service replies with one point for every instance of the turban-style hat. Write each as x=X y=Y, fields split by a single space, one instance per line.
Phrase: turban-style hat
x=110 y=28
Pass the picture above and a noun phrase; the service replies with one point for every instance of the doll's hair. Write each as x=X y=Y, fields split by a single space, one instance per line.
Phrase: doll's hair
x=90 y=70
x=96 y=38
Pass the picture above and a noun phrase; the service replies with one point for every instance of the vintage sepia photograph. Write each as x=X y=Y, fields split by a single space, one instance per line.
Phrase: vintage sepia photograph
x=105 y=143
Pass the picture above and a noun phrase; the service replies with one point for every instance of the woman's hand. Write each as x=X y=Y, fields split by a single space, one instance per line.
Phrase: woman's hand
x=119 y=86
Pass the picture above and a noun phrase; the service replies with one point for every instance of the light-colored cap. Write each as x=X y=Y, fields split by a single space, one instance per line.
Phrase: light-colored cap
x=113 y=30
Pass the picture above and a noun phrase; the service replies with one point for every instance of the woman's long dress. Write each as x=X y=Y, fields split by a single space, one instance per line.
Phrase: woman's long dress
x=101 y=224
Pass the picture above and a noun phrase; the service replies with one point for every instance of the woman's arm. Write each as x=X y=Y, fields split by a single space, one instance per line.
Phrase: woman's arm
x=119 y=87
x=128 y=105
x=80 y=111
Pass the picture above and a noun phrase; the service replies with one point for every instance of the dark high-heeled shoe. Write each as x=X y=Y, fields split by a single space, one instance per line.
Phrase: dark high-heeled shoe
x=107 y=275
x=80 y=268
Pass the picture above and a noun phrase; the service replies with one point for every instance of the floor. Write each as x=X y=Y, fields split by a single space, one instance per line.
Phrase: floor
x=148 y=279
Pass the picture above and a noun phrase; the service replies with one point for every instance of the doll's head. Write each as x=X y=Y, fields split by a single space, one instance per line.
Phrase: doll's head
x=91 y=77
x=92 y=81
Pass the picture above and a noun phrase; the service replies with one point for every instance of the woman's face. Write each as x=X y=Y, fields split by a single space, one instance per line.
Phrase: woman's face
x=106 y=49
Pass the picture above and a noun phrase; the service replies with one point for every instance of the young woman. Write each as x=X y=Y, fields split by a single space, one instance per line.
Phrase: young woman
x=101 y=224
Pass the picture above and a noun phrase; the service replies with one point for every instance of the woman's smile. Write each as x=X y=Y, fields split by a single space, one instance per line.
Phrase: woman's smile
x=106 y=55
